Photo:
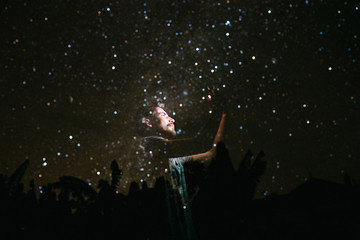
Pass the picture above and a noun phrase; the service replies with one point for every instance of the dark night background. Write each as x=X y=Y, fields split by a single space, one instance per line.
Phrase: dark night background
x=73 y=74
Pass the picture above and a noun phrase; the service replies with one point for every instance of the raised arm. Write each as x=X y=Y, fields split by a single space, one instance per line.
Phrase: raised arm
x=207 y=156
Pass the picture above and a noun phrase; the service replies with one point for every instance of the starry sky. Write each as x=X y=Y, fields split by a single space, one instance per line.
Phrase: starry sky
x=74 y=73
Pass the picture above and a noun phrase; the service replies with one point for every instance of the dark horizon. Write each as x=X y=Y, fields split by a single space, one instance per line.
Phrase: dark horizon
x=223 y=206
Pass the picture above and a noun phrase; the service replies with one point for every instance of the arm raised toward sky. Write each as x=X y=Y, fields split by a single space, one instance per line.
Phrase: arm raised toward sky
x=207 y=156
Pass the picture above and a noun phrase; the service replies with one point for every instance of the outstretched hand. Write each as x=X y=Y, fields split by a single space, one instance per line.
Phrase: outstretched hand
x=205 y=157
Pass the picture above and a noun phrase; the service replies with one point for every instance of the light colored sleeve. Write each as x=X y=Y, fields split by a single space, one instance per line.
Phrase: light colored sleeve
x=179 y=160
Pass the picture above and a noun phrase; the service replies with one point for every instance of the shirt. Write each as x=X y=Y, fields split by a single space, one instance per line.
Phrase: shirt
x=153 y=158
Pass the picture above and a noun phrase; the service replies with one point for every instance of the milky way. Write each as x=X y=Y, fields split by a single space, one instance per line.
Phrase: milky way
x=286 y=73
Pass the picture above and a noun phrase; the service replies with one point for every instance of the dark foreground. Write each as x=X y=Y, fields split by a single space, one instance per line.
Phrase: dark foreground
x=222 y=204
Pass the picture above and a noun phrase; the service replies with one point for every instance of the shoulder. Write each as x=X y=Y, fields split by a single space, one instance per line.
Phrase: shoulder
x=148 y=140
x=154 y=138
x=179 y=160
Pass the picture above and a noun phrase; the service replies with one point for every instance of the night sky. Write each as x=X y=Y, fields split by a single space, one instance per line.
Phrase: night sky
x=74 y=73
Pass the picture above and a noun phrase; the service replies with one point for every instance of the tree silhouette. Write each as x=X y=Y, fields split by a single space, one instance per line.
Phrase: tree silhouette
x=116 y=174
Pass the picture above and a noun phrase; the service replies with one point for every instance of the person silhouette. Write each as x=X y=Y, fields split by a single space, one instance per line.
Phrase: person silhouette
x=159 y=155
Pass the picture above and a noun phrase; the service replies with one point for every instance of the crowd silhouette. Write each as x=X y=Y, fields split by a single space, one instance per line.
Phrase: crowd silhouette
x=222 y=203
